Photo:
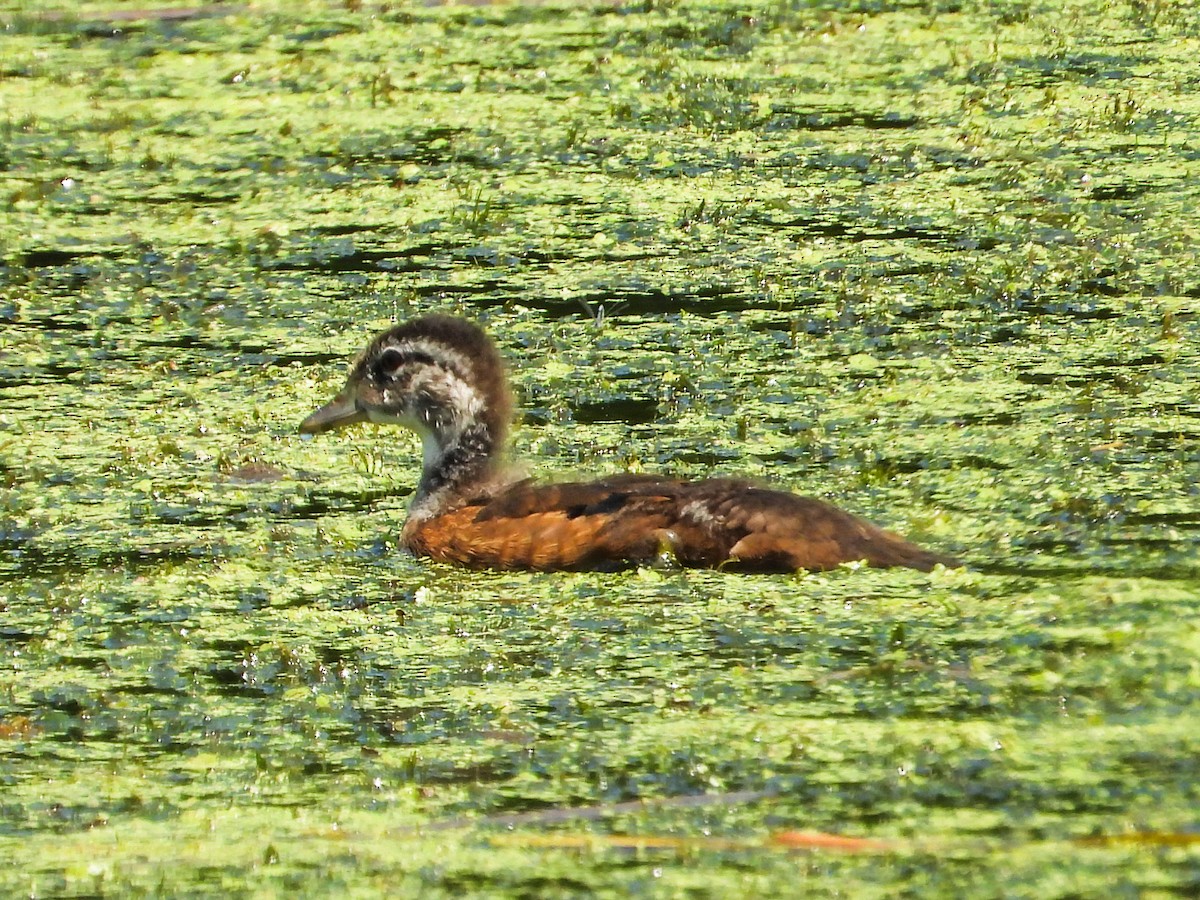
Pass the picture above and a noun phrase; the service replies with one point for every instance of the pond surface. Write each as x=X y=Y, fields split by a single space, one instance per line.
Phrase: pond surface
x=934 y=262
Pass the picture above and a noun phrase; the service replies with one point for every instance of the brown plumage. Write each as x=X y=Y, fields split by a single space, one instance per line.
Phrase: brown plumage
x=443 y=378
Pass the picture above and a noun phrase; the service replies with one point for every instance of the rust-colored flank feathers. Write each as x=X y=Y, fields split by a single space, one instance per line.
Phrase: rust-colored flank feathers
x=443 y=378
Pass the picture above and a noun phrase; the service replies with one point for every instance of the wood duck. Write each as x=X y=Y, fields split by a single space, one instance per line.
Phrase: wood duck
x=443 y=378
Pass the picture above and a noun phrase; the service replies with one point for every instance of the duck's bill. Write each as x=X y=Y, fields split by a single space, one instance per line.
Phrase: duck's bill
x=337 y=413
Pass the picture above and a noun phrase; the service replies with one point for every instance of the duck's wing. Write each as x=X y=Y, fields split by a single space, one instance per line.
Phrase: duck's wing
x=604 y=524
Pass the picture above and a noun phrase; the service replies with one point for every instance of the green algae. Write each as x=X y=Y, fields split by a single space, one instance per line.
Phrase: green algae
x=935 y=262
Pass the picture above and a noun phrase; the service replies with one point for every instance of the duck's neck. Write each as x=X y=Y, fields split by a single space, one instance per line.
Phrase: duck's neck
x=454 y=464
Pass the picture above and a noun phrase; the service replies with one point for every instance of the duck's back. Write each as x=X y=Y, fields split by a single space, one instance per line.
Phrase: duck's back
x=630 y=519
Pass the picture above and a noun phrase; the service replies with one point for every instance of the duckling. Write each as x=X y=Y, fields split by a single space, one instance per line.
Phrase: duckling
x=443 y=378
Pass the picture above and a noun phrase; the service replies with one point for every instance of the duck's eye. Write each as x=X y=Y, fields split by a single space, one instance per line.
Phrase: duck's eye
x=393 y=359
x=389 y=363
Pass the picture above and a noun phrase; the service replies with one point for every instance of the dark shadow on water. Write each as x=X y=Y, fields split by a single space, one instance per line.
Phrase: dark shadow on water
x=788 y=118
x=25 y=559
x=619 y=410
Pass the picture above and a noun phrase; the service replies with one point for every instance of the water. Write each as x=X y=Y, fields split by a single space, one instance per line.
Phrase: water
x=936 y=265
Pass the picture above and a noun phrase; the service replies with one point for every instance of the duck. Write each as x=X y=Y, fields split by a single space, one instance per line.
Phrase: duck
x=443 y=378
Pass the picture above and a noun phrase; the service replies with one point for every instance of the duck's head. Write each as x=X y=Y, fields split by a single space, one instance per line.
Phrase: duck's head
x=440 y=376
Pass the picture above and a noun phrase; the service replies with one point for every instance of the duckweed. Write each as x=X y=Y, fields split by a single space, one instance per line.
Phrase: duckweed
x=934 y=262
